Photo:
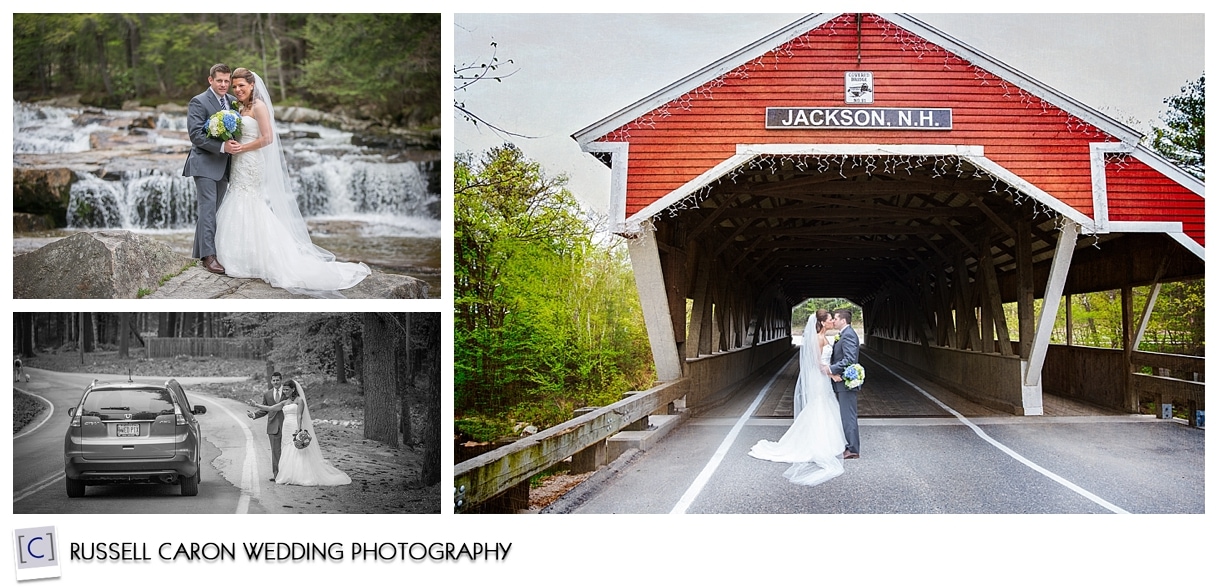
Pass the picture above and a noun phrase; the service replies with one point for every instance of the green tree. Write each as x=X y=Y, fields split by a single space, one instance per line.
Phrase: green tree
x=546 y=318
x=1182 y=140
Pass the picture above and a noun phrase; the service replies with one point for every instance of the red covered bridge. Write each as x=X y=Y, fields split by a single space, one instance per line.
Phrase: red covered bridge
x=878 y=159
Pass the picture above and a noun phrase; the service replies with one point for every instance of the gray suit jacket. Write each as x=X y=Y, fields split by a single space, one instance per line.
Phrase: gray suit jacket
x=274 y=423
x=205 y=158
x=845 y=354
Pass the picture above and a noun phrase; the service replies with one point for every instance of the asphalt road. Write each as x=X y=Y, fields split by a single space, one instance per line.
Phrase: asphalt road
x=236 y=458
x=926 y=463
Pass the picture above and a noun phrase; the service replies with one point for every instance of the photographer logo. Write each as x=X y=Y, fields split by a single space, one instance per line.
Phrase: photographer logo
x=37 y=554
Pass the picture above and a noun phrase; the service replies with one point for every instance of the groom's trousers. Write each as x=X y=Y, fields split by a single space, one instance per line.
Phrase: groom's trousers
x=276 y=449
x=208 y=193
x=848 y=401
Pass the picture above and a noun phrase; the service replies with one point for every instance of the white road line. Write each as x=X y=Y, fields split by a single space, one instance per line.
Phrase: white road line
x=50 y=411
x=39 y=485
x=699 y=483
x=249 y=468
x=1007 y=450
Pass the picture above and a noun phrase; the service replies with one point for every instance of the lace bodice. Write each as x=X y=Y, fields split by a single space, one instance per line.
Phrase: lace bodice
x=246 y=168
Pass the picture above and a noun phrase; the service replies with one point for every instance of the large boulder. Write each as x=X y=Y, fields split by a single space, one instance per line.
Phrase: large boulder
x=104 y=264
x=24 y=222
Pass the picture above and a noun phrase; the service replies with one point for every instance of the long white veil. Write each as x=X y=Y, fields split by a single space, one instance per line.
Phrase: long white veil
x=277 y=184
x=809 y=359
x=323 y=473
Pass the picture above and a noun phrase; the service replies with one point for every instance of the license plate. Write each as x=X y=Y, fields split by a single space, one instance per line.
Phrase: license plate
x=128 y=429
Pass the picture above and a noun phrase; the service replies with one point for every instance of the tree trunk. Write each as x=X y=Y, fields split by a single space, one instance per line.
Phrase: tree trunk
x=404 y=369
x=428 y=384
x=124 y=326
x=380 y=410
x=340 y=360
x=80 y=338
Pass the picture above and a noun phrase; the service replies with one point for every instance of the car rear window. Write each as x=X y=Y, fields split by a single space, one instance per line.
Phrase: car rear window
x=113 y=405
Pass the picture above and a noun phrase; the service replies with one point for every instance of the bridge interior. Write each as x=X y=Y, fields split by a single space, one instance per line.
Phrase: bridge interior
x=930 y=247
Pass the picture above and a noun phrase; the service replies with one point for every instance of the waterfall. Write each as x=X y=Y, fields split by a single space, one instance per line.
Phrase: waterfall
x=333 y=179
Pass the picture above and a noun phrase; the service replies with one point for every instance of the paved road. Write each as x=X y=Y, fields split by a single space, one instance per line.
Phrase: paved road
x=918 y=458
x=236 y=458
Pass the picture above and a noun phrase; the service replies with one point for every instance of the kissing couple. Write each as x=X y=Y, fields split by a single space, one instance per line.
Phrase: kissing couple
x=295 y=451
x=249 y=225
x=825 y=430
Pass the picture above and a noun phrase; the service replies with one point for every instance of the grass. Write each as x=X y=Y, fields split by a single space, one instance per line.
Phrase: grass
x=142 y=292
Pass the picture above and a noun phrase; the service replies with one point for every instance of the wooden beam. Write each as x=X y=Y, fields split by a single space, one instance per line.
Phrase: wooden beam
x=649 y=281
x=1033 y=402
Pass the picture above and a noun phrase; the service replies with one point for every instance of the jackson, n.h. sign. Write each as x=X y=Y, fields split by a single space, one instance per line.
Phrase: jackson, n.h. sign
x=925 y=119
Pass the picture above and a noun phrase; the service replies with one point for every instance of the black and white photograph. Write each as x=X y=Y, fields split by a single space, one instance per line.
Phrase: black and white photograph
x=226 y=156
x=226 y=412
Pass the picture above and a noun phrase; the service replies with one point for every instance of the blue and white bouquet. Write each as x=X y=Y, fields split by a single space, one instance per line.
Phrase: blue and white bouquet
x=224 y=125
x=854 y=375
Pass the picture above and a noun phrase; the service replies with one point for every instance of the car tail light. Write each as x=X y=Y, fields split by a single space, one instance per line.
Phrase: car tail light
x=179 y=418
x=75 y=422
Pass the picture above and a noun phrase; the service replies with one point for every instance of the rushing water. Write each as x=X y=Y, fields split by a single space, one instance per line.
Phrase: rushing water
x=374 y=205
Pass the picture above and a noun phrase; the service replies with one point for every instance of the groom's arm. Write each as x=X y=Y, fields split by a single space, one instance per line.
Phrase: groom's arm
x=196 y=125
x=850 y=353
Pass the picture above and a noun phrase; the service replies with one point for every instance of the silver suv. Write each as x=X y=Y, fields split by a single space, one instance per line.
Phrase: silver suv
x=133 y=433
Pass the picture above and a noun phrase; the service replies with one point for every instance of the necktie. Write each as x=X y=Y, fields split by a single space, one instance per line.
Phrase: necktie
x=277 y=395
x=224 y=106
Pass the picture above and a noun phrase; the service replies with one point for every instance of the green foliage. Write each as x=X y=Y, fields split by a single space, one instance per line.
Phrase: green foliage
x=378 y=66
x=1182 y=140
x=1177 y=323
x=805 y=309
x=142 y=292
x=546 y=319
x=483 y=429
x=393 y=56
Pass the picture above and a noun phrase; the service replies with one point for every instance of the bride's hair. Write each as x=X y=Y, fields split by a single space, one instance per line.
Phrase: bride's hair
x=295 y=390
x=249 y=77
x=822 y=315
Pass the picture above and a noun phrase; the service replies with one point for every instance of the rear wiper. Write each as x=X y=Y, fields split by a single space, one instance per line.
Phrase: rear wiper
x=115 y=408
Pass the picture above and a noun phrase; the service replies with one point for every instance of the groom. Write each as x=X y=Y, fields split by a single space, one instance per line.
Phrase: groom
x=845 y=354
x=208 y=163
x=274 y=423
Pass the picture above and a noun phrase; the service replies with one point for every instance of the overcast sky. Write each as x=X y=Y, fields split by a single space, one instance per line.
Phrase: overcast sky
x=572 y=70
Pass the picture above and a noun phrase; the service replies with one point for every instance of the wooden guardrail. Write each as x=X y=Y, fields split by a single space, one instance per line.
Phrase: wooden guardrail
x=1180 y=386
x=479 y=479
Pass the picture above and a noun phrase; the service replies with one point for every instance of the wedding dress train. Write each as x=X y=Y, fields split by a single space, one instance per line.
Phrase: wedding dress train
x=253 y=242
x=305 y=467
x=815 y=441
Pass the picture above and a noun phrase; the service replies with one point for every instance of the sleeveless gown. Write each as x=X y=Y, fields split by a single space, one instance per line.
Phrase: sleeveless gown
x=252 y=243
x=815 y=441
x=304 y=467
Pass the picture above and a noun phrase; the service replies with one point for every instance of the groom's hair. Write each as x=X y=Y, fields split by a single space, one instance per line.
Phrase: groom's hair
x=845 y=314
x=219 y=68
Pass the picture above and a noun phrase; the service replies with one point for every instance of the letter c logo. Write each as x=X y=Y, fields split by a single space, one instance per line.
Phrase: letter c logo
x=30 y=544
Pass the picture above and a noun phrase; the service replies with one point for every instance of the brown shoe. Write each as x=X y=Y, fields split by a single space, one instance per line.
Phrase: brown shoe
x=210 y=264
x=850 y=455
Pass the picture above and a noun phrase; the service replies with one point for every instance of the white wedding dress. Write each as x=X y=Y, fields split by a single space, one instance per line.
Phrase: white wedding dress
x=252 y=242
x=305 y=467
x=815 y=441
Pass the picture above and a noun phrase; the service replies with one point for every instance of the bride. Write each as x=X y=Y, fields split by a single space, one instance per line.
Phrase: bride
x=259 y=230
x=814 y=443
x=304 y=466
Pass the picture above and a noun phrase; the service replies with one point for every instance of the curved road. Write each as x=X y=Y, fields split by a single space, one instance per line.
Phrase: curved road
x=236 y=457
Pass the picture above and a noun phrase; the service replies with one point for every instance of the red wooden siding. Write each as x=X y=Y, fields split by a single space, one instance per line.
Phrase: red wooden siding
x=1037 y=141
x=1138 y=193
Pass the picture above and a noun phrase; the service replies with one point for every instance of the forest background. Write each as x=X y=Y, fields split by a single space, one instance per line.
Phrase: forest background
x=384 y=67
